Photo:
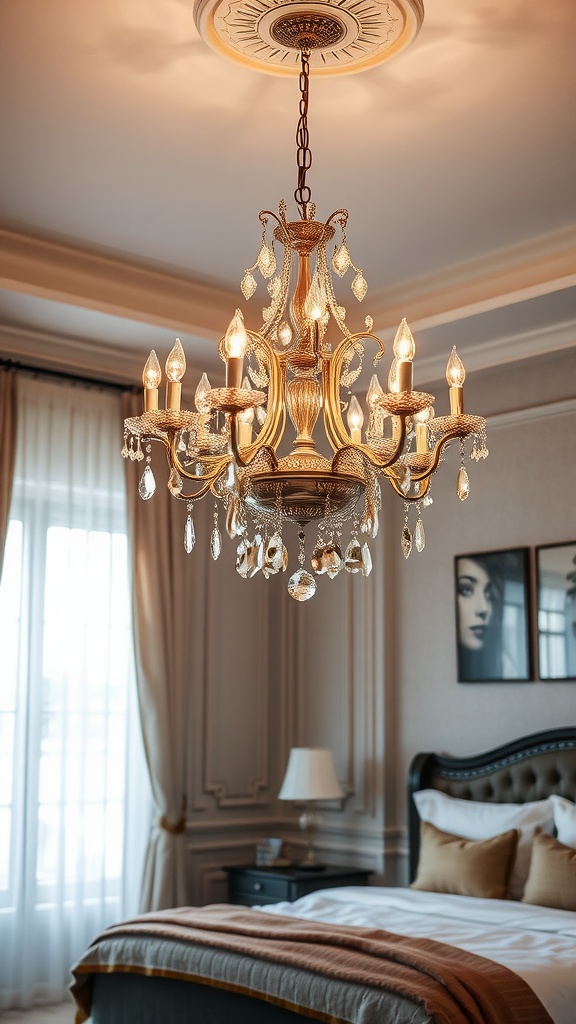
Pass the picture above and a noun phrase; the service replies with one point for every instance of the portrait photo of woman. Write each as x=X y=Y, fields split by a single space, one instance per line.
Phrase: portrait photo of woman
x=492 y=616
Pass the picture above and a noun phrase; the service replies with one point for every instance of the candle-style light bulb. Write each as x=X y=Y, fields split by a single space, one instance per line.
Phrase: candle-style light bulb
x=245 y=419
x=235 y=343
x=404 y=347
x=175 y=369
x=421 y=420
x=374 y=393
x=455 y=376
x=151 y=377
x=315 y=302
x=455 y=372
x=201 y=394
x=355 y=418
x=404 y=350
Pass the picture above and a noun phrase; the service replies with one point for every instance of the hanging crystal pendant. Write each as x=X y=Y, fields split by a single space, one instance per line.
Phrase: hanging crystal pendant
x=266 y=260
x=261 y=414
x=175 y=483
x=332 y=560
x=215 y=543
x=419 y=536
x=359 y=286
x=427 y=500
x=301 y=586
x=242 y=559
x=189 y=535
x=316 y=561
x=274 y=554
x=147 y=485
x=125 y=453
x=462 y=484
x=233 y=518
x=248 y=285
x=341 y=259
x=353 y=556
x=406 y=541
x=201 y=395
x=366 y=560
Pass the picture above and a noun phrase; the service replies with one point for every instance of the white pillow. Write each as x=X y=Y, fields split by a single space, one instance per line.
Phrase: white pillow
x=565 y=820
x=472 y=819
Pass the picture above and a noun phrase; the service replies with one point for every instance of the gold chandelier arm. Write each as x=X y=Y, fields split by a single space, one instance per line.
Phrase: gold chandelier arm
x=334 y=425
x=423 y=486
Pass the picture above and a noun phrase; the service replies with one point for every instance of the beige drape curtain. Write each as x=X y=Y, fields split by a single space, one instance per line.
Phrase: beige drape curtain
x=168 y=623
x=7 y=449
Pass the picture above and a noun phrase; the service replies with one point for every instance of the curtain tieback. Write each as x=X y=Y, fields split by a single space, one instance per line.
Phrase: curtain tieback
x=179 y=826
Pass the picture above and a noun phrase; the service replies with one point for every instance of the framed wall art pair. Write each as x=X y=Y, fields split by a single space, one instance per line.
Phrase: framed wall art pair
x=513 y=610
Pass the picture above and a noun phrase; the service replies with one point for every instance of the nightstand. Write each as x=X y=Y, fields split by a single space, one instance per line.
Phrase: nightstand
x=250 y=886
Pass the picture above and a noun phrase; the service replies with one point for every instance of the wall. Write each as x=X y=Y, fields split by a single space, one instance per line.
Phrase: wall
x=368 y=667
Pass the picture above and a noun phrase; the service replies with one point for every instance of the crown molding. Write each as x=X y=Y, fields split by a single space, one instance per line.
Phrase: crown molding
x=49 y=270
x=500 y=351
x=538 y=267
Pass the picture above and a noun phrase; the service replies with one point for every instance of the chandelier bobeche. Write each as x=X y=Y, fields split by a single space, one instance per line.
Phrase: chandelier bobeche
x=303 y=361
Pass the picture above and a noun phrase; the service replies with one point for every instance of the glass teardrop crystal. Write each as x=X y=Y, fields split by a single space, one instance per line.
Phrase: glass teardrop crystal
x=266 y=260
x=366 y=560
x=175 y=482
x=359 y=287
x=419 y=536
x=301 y=586
x=147 y=484
x=341 y=259
x=462 y=484
x=248 y=285
x=232 y=519
x=231 y=478
x=189 y=535
x=316 y=561
x=274 y=554
x=353 y=556
x=406 y=542
x=215 y=543
x=332 y=560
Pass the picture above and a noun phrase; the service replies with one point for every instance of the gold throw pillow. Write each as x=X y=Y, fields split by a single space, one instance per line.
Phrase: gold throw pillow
x=552 y=877
x=465 y=867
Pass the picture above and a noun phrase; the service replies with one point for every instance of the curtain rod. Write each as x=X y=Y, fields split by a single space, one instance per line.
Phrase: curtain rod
x=75 y=378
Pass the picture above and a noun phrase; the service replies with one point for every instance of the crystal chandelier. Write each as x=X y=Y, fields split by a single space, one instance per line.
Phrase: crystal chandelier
x=303 y=361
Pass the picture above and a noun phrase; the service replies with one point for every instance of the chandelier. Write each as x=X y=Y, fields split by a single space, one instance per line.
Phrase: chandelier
x=302 y=364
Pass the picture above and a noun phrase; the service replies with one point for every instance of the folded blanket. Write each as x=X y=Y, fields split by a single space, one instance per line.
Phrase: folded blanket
x=452 y=985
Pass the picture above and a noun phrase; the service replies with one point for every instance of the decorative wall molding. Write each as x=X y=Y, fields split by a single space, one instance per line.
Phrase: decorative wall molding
x=516 y=417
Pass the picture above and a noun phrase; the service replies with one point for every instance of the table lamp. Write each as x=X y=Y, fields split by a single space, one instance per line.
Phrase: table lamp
x=310 y=776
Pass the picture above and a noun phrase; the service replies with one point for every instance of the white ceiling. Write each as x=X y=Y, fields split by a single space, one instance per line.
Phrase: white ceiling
x=135 y=162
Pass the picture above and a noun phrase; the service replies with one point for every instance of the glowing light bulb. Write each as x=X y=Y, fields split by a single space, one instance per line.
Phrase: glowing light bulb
x=421 y=420
x=374 y=393
x=404 y=347
x=315 y=302
x=455 y=375
x=175 y=367
x=355 y=418
x=201 y=394
x=236 y=338
x=176 y=362
x=284 y=334
x=151 y=377
x=235 y=343
x=455 y=372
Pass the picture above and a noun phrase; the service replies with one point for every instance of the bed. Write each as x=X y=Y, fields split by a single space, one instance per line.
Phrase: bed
x=452 y=947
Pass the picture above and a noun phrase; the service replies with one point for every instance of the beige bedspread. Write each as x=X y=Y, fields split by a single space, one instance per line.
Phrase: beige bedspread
x=453 y=986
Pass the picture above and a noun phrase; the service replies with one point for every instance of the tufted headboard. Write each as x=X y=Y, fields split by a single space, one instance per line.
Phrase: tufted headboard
x=530 y=768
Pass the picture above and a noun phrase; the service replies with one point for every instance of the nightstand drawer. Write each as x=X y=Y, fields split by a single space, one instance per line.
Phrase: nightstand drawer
x=252 y=886
x=264 y=887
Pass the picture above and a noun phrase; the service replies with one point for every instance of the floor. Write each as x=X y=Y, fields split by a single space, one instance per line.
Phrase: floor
x=63 y=1014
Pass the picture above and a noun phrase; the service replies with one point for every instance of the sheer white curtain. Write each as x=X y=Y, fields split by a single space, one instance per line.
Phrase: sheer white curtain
x=7 y=449
x=73 y=795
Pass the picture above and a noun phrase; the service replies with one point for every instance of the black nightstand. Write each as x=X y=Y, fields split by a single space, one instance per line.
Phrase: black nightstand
x=251 y=886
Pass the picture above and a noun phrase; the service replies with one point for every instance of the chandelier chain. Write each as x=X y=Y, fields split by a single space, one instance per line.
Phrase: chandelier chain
x=302 y=195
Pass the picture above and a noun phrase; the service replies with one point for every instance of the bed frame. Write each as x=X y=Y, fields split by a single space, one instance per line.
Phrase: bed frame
x=530 y=768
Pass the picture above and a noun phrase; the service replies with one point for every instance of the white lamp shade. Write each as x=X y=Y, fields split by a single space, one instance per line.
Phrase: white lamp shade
x=310 y=775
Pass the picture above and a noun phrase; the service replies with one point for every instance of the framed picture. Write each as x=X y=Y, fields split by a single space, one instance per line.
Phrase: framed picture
x=556 y=587
x=492 y=616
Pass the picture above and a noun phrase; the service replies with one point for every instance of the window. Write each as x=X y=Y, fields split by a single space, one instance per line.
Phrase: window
x=68 y=722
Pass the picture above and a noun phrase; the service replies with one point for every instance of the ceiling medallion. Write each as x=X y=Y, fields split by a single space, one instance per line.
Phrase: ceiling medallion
x=347 y=36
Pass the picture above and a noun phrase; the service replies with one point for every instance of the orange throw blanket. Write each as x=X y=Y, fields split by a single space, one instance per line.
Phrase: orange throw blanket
x=454 y=986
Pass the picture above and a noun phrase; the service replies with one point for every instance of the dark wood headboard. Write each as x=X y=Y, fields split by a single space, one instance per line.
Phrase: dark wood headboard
x=530 y=768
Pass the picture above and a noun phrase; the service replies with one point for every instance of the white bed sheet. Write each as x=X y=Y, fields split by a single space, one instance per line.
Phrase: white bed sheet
x=537 y=943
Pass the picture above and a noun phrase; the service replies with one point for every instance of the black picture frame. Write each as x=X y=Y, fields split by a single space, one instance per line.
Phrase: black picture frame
x=556 y=611
x=492 y=598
